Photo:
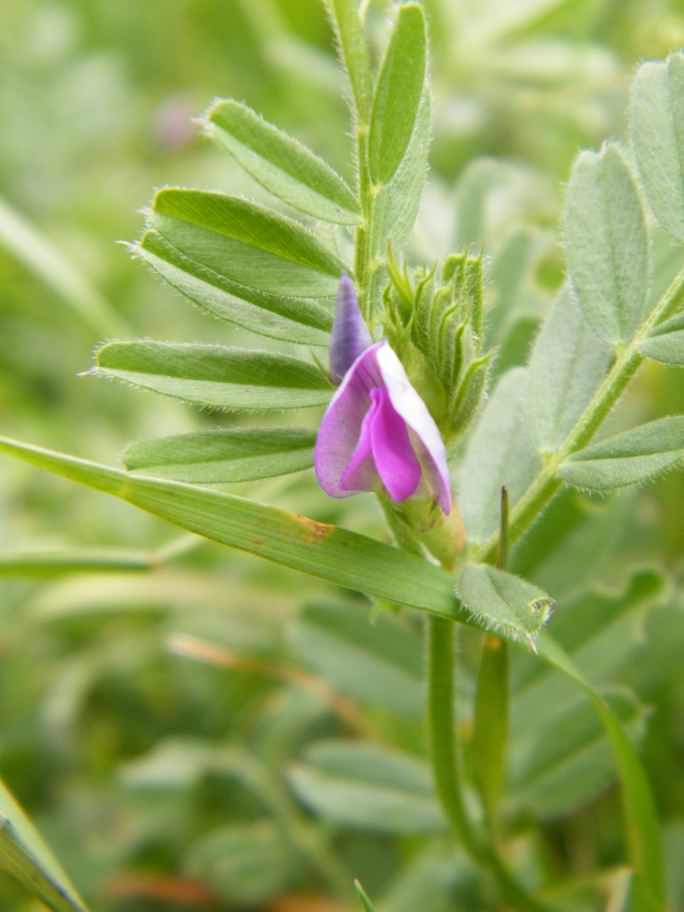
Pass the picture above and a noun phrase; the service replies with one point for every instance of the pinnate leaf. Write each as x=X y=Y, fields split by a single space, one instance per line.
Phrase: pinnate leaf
x=628 y=458
x=216 y=376
x=607 y=244
x=229 y=455
x=281 y=164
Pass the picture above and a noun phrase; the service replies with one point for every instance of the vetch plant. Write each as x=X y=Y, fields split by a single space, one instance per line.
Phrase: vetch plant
x=463 y=467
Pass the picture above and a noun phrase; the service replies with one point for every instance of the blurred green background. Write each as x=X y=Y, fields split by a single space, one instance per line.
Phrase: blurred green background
x=156 y=767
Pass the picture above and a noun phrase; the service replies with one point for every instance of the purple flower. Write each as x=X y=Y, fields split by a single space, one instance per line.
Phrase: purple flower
x=377 y=429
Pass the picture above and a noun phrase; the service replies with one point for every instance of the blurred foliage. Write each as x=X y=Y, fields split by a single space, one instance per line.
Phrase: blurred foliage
x=177 y=734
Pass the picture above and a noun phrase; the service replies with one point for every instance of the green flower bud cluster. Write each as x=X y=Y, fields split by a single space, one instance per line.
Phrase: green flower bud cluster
x=434 y=321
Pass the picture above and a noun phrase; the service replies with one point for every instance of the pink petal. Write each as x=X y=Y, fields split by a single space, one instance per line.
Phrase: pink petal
x=341 y=426
x=393 y=455
x=360 y=473
x=413 y=410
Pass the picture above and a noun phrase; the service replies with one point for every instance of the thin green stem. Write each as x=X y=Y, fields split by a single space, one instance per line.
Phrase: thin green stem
x=447 y=768
x=547 y=483
x=445 y=759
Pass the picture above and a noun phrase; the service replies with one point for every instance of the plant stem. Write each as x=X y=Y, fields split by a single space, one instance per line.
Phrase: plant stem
x=445 y=760
x=446 y=765
x=547 y=483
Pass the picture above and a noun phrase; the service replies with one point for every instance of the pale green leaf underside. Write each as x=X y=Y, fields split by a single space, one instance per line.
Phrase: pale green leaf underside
x=607 y=244
x=281 y=164
x=215 y=376
x=567 y=363
x=230 y=455
x=513 y=607
x=399 y=93
x=25 y=856
x=306 y=321
x=500 y=451
x=369 y=787
x=632 y=457
x=657 y=134
x=666 y=342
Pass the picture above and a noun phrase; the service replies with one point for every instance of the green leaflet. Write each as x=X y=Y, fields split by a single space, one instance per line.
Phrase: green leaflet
x=399 y=93
x=243 y=262
x=228 y=455
x=666 y=342
x=367 y=786
x=512 y=606
x=25 y=856
x=567 y=363
x=657 y=134
x=643 y=831
x=352 y=49
x=266 y=247
x=212 y=375
x=281 y=164
x=632 y=457
x=607 y=244
x=325 y=551
x=306 y=321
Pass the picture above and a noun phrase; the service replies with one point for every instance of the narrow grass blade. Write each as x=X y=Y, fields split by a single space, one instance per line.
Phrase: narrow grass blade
x=25 y=856
x=322 y=550
x=230 y=455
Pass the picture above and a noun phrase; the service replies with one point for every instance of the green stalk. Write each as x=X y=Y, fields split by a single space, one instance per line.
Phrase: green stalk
x=446 y=766
x=547 y=483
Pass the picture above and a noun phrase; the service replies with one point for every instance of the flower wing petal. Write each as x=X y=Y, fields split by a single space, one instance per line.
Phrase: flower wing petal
x=412 y=409
x=395 y=461
x=342 y=423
